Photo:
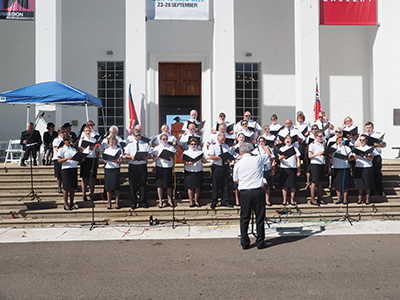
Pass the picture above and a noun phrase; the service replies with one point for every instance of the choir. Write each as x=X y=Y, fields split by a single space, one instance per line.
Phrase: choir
x=344 y=154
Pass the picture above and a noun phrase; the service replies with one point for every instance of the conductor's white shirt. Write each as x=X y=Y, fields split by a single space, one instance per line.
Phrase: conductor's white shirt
x=249 y=171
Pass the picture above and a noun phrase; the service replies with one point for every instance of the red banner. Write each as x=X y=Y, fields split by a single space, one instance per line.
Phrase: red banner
x=347 y=12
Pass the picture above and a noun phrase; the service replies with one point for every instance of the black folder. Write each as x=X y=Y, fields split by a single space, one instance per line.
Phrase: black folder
x=112 y=157
x=325 y=127
x=353 y=132
x=295 y=138
x=330 y=144
x=166 y=154
x=145 y=139
x=288 y=153
x=200 y=126
x=140 y=155
x=79 y=156
x=237 y=150
x=339 y=155
x=304 y=130
x=362 y=153
x=371 y=140
x=85 y=144
x=229 y=141
x=251 y=128
x=329 y=150
x=275 y=132
x=226 y=156
x=310 y=140
x=190 y=159
x=270 y=143
x=229 y=128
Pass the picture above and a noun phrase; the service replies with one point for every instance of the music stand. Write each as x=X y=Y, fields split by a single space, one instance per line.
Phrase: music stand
x=32 y=192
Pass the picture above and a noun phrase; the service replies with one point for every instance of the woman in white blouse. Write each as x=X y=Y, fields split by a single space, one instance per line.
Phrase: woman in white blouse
x=89 y=166
x=164 y=168
x=112 y=171
x=69 y=172
x=290 y=168
x=193 y=171
x=364 y=171
x=340 y=169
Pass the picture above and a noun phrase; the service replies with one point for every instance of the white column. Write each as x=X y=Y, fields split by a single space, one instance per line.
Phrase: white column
x=223 y=75
x=136 y=61
x=386 y=75
x=48 y=51
x=307 y=55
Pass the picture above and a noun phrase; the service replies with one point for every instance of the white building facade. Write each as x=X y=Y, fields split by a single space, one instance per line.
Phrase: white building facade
x=259 y=55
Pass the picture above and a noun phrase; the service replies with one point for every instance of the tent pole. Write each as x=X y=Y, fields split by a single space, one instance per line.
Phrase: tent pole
x=87 y=114
x=27 y=113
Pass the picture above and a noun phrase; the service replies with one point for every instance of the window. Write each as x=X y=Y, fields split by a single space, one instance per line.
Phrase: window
x=110 y=89
x=247 y=90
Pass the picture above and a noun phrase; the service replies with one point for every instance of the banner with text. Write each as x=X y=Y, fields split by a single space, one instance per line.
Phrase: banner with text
x=197 y=10
x=17 y=9
x=348 y=12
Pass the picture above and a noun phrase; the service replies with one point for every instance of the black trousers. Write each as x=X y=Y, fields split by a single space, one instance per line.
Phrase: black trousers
x=377 y=165
x=27 y=153
x=220 y=177
x=253 y=199
x=137 y=182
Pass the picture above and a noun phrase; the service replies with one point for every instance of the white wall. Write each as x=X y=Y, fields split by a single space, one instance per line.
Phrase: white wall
x=266 y=29
x=89 y=29
x=345 y=66
x=386 y=74
x=17 y=61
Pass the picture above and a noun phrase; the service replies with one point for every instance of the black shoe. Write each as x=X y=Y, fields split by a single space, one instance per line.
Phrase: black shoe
x=212 y=206
x=192 y=205
x=22 y=164
x=67 y=208
x=269 y=204
x=322 y=202
x=246 y=246
x=198 y=205
x=35 y=163
x=72 y=207
x=133 y=206
x=261 y=246
x=228 y=205
x=144 y=205
x=312 y=203
x=170 y=205
x=60 y=191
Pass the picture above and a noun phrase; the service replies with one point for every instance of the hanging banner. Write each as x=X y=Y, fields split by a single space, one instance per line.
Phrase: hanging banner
x=17 y=9
x=196 y=10
x=348 y=12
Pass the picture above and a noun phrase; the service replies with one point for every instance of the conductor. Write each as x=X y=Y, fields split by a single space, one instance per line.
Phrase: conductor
x=248 y=173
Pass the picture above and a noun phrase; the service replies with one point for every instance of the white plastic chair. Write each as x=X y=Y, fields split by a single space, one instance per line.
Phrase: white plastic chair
x=14 y=152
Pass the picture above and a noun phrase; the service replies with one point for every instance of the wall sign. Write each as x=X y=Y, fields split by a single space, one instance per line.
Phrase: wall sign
x=197 y=10
x=17 y=9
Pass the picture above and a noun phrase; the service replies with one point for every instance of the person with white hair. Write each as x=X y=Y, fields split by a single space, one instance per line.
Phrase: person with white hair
x=112 y=132
x=248 y=174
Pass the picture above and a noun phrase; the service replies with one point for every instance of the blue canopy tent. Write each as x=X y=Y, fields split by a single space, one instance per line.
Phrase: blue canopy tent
x=51 y=92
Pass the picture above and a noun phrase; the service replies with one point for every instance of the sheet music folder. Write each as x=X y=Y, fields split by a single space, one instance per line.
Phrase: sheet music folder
x=112 y=157
x=226 y=156
x=166 y=154
x=288 y=153
x=190 y=159
x=140 y=155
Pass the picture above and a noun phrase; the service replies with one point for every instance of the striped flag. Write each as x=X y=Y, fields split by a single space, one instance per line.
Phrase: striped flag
x=133 y=119
x=317 y=105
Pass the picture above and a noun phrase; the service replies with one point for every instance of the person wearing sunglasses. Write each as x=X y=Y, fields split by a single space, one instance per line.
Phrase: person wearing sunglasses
x=306 y=162
x=316 y=151
x=340 y=169
x=275 y=127
x=364 y=174
x=249 y=135
x=324 y=125
x=164 y=130
x=253 y=126
x=193 y=180
x=190 y=133
x=164 y=166
x=290 y=170
x=137 y=169
x=192 y=120
x=69 y=171
x=331 y=143
x=222 y=129
x=112 y=171
x=222 y=119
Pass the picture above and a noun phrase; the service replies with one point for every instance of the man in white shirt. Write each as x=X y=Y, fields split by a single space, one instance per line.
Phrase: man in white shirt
x=113 y=131
x=137 y=169
x=220 y=171
x=191 y=132
x=248 y=173
x=253 y=125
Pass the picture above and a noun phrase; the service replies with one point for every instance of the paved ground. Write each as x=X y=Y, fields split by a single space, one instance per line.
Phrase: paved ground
x=312 y=261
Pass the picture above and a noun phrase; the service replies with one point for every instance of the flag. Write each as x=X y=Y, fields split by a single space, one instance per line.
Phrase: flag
x=133 y=119
x=317 y=105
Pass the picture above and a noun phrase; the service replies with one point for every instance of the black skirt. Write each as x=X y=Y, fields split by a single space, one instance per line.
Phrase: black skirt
x=268 y=177
x=57 y=169
x=337 y=178
x=317 y=172
x=69 y=178
x=86 y=168
x=163 y=177
x=193 y=179
x=365 y=178
x=288 y=177
x=112 y=181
